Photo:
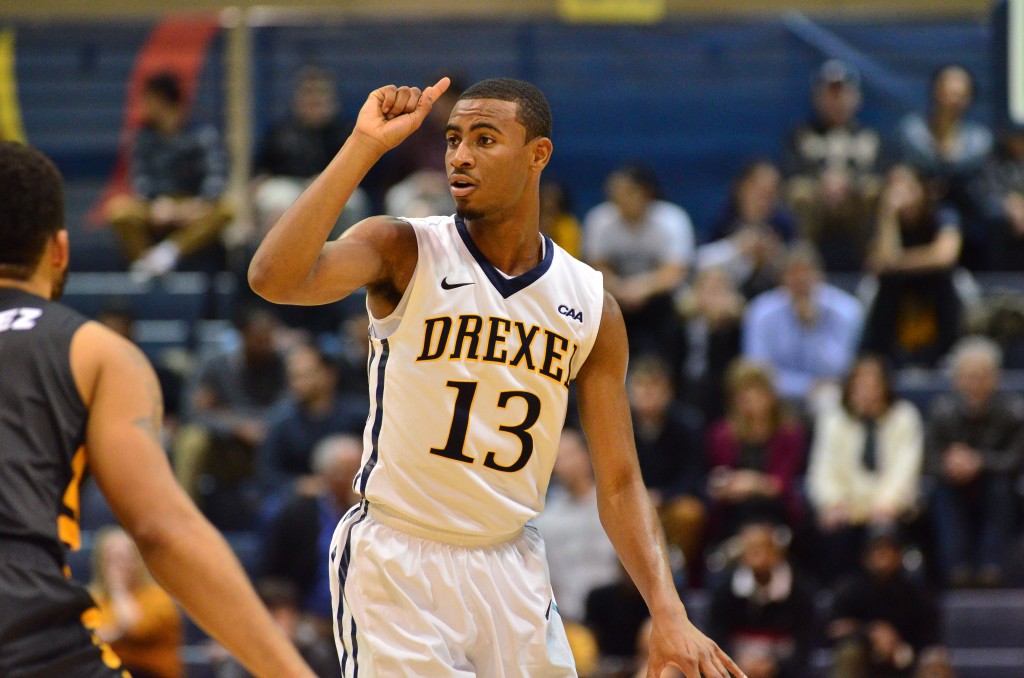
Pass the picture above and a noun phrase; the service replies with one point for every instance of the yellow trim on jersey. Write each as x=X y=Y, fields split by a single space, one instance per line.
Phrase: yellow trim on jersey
x=68 y=529
x=91 y=620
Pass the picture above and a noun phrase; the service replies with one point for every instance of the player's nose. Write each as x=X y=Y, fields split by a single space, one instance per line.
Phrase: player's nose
x=461 y=156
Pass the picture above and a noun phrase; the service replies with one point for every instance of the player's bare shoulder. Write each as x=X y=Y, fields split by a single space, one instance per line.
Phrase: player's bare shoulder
x=393 y=241
x=611 y=347
x=97 y=350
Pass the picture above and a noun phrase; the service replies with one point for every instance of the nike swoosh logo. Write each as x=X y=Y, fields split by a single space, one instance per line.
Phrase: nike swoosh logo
x=445 y=285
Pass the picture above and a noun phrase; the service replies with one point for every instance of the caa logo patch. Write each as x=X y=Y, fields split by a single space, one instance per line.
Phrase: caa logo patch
x=571 y=313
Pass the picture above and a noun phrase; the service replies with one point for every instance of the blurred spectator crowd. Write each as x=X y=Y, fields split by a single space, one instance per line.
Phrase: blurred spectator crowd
x=785 y=463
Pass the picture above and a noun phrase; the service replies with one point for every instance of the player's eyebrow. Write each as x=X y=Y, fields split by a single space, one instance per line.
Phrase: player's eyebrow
x=475 y=126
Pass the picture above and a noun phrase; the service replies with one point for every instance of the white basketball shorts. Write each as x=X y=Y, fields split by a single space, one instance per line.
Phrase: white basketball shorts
x=408 y=605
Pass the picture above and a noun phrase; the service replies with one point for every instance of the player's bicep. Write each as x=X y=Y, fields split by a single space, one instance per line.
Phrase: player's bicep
x=603 y=404
x=376 y=251
x=123 y=431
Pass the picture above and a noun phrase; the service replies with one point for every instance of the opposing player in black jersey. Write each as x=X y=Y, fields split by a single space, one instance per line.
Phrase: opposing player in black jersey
x=74 y=397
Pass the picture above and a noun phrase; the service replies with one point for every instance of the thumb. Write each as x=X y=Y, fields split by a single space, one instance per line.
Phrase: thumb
x=431 y=95
x=434 y=92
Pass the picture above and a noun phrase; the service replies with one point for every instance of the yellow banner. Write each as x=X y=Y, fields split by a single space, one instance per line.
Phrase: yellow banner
x=612 y=11
x=10 y=112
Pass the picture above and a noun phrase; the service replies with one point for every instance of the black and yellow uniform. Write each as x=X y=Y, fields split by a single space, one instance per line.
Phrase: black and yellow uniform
x=42 y=459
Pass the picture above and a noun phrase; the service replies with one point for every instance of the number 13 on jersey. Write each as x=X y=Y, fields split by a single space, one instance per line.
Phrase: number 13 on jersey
x=464 y=401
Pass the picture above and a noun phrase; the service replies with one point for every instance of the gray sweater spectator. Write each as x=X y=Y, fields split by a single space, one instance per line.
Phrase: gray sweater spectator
x=579 y=554
x=975 y=445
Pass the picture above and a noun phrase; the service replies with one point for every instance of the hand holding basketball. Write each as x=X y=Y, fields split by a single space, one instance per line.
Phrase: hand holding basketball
x=392 y=113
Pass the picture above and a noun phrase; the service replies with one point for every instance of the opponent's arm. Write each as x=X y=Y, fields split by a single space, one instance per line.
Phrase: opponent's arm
x=626 y=511
x=184 y=552
x=293 y=265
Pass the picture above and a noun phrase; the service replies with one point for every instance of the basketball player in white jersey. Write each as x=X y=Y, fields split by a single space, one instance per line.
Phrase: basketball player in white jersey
x=478 y=324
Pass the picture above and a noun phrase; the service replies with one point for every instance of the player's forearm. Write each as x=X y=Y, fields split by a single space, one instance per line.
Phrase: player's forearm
x=196 y=565
x=289 y=253
x=635 y=532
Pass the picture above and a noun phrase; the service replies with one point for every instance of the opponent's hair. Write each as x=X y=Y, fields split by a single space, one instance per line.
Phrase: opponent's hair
x=532 y=109
x=31 y=208
x=165 y=85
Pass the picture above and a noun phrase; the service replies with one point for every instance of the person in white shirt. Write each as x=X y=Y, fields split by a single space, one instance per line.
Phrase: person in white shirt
x=865 y=464
x=643 y=245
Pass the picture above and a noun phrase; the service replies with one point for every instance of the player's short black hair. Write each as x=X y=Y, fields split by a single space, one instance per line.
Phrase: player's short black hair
x=532 y=109
x=31 y=208
x=165 y=85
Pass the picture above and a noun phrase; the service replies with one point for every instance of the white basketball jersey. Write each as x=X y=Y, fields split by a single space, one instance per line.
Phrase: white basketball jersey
x=469 y=382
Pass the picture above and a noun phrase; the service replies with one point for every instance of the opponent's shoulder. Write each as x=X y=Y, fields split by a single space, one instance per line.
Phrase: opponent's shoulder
x=96 y=350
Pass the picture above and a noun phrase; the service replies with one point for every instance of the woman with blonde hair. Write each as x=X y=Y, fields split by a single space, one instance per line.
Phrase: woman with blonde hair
x=135 y=616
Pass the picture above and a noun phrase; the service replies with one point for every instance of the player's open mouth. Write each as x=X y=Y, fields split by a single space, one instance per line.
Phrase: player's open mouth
x=460 y=186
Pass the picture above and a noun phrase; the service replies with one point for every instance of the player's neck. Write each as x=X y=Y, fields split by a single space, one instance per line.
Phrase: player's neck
x=513 y=245
x=34 y=285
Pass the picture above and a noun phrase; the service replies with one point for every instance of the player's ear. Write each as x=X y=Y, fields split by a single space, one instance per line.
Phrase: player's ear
x=60 y=250
x=540 y=152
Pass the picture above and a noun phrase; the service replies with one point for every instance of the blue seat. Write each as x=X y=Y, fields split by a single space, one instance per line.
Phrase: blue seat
x=177 y=296
x=984 y=619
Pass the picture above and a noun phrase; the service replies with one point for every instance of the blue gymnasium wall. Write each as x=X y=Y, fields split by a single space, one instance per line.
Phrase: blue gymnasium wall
x=72 y=85
x=694 y=100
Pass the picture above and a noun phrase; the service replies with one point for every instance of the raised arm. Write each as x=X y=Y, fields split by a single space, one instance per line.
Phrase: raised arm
x=626 y=511
x=293 y=265
x=184 y=552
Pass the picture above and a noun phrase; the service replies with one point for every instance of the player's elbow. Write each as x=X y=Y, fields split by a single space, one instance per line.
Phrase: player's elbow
x=264 y=282
x=160 y=531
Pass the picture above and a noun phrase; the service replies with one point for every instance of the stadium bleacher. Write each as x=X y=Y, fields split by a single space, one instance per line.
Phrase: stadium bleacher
x=983 y=631
x=736 y=88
